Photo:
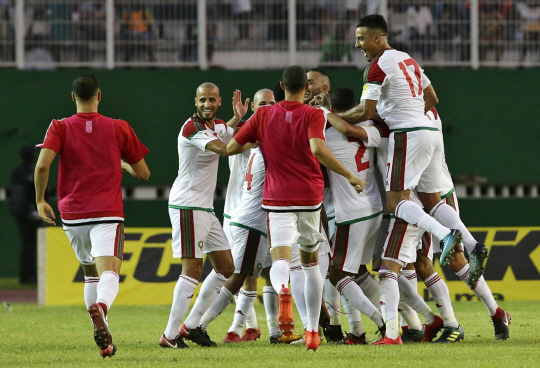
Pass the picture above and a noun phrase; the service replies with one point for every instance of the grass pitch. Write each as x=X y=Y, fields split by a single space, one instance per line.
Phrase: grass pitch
x=33 y=336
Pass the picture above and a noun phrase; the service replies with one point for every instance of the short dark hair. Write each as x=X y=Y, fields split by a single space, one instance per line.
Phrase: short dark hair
x=374 y=22
x=342 y=99
x=294 y=78
x=279 y=94
x=86 y=86
x=321 y=71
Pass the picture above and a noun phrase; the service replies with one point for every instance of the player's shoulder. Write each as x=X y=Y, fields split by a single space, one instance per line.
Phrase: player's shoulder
x=191 y=126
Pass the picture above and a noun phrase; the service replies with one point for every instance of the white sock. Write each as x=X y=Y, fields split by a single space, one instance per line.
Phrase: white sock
x=182 y=296
x=409 y=317
x=353 y=317
x=279 y=273
x=271 y=307
x=390 y=301
x=448 y=216
x=217 y=307
x=370 y=287
x=313 y=291
x=251 y=320
x=411 y=297
x=90 y=290
x=415 y=215
x=298 y=282
x=480 y=289
x=411 y=277
x=244 y=304
x=324 y=263
x=441 y=295
x=350 y=289
x=107 y=288
x=210 y=289
x=331 y=297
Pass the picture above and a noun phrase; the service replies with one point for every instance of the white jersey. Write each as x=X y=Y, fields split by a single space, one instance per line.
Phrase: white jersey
x=351 y=206
x=396 y=81
x=249 y=213
x=328 y=203
x=446 y=179
x=237 y=167
x=197 y=173
x=378 y=139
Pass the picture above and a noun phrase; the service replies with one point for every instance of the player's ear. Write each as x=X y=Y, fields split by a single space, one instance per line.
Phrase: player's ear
x=282 y=85
x=73 y=96
x=252 y=106
x=99 y=95
x=219 y=101
x=195 y=99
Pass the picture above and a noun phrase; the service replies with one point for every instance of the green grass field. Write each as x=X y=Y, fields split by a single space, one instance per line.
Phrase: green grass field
x=33 y=336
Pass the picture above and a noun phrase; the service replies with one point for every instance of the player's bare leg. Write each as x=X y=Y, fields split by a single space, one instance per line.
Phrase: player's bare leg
x=501 y=319
x=398 y=202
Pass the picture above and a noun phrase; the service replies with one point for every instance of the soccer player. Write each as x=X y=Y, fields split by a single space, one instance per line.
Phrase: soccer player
x=249 y=248
x=291 y=137
x=91 y=146
x=318 y=82
x=397 y=87
x=196 y=230
x=358 y=218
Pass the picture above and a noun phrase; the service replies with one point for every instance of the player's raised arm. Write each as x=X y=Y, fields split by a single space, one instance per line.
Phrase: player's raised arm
x=240 y=109
x=345 y=128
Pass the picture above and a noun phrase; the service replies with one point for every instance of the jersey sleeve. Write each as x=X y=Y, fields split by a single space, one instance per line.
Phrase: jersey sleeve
x=376 y=134
x=132 y=149
x=425 y=80
x=196 y=134
x=54 y=137
x=317 y=123
x=248 y=133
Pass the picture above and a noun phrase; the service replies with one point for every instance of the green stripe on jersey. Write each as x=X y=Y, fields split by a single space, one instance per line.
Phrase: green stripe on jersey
x=248 y=228
x=359 y=219
x=449 y=193
x=405 y=130
x=191 y=208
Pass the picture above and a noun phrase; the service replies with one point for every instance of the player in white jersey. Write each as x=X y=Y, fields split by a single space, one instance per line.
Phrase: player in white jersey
x=196 y=230
x=501 y=319
x=357 y=218
x=397 y=87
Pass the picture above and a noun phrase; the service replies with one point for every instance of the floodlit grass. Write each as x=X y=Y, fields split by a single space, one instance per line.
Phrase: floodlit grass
x=33 y=336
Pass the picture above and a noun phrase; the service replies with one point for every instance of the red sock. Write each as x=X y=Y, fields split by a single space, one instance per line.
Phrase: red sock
x=498 y=314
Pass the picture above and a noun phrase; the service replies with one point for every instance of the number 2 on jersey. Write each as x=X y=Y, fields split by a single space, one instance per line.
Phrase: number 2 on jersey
x=360 y=166
x=403 y=66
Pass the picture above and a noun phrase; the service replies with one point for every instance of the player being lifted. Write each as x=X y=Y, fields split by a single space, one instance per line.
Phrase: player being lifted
x=291 y=137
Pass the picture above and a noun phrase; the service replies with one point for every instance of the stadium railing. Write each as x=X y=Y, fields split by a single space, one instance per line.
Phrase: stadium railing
x=260 y=34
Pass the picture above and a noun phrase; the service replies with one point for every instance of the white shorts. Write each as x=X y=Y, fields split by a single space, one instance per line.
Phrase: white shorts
x=227 y=229
x=355 y=244
x=195 y=233
x=96 y=240
x=250 y=251
x=415 y=159
x=286 y=228
x=324 y=246
x=401 y=241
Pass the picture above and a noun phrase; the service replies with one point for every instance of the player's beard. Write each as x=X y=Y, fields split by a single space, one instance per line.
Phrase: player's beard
x=202 y=117
x=312 y=95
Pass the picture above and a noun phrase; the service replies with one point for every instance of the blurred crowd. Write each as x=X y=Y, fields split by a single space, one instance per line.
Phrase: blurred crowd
x=57 y=28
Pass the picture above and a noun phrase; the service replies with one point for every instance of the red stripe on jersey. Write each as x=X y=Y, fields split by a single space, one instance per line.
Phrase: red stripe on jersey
x=434 y=111
x=375 y=73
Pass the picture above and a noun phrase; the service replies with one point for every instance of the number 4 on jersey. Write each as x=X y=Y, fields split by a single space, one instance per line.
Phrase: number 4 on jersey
x=403 y=66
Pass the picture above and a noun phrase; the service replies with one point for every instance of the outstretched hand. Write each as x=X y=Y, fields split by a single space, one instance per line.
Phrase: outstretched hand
x=240 y=110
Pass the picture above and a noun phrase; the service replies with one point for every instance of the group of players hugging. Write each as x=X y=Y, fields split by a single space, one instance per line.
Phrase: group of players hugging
x=320 y=187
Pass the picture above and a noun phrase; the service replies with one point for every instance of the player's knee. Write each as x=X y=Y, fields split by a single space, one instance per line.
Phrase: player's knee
x=192 y=268
x=226 y=270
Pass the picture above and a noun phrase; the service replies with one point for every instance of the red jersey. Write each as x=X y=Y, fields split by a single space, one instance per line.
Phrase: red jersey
x=293 y=176
x=90 y=146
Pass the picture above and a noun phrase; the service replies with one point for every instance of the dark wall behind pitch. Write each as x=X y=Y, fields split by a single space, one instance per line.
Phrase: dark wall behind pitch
x=490 y=121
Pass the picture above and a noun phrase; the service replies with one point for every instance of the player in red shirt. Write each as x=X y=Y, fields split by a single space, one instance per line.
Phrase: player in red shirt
x=291 y=137
x=89 y=194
